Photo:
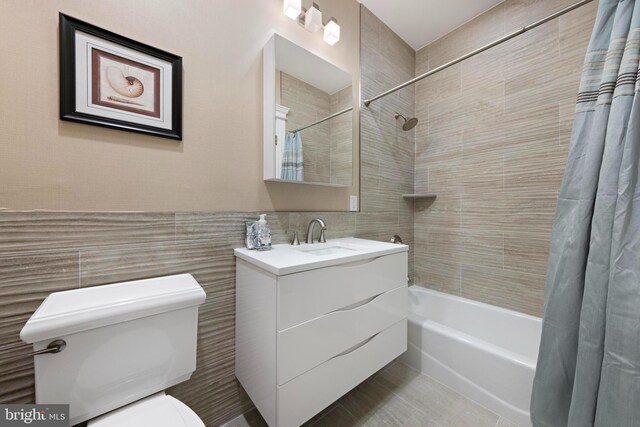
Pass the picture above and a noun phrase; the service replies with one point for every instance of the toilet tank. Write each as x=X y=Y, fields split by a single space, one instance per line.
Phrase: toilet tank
x=124 y=341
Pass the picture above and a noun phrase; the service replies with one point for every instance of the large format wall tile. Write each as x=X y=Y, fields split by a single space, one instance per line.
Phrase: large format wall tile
x=519 y=13
x=445 y=211
x=25 y=281
x=494 y=150
x=21 y=232
x=531 y=211
x=470 y=36
x=515 y=290
x=213 y=388
x=338 y=224
x=207 y=261
x=387 y=153
x=227 y=228
x=434 y=273
x=526 y=251
x=45 y=252
x=16 y=374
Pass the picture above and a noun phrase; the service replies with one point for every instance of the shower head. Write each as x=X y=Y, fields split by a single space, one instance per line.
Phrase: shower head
x=408 y=123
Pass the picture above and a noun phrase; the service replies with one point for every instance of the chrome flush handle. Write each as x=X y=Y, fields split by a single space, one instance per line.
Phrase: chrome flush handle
x=55 y=346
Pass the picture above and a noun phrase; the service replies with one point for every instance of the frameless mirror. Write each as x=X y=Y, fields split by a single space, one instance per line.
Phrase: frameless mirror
x=308 y=123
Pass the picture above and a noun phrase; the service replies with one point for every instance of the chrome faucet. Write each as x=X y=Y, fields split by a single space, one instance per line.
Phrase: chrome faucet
x=322 y=230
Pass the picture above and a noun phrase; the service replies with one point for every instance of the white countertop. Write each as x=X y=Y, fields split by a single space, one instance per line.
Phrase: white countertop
x=287 y=259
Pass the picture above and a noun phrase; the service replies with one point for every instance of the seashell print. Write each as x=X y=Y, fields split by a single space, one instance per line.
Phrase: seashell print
x=127 y=86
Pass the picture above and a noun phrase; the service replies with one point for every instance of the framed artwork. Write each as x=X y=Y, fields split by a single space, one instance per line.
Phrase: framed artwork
x=110 y=80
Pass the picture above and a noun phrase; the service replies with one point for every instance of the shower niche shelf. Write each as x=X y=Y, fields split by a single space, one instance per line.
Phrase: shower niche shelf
x=420 y=196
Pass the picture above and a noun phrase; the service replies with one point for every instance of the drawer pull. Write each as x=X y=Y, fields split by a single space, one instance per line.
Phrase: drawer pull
x=355 y=347
x=357 y=263
x=357 y=304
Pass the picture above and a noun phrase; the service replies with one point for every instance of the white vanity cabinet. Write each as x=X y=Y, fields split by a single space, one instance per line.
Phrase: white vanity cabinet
x=311 y=327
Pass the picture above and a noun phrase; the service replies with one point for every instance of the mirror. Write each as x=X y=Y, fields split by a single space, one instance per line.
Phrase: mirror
x=308 y=117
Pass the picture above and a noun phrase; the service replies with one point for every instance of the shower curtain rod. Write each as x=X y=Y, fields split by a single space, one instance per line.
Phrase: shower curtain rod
x=479 y=50
x=346 y=110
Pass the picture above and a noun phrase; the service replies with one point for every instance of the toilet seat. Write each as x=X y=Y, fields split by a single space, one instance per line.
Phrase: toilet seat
x=158 y=410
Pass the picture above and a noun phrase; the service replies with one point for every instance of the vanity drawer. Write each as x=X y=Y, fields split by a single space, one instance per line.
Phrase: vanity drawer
x=305 y=396
x=305 y=346
x=310 y=294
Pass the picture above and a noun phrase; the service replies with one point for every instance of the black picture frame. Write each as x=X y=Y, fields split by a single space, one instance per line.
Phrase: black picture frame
x=68 y=82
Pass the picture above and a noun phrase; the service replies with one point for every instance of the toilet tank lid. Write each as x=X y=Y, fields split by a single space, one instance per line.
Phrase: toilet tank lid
x=68 y=312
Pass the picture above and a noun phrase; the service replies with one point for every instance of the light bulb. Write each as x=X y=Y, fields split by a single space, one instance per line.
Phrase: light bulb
x=313 y=19
x=292 y=8
x=332 y=32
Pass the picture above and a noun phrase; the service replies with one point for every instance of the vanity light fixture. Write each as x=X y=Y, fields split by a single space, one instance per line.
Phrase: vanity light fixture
x=292 y=8
x=332 y=32
x=313 y=19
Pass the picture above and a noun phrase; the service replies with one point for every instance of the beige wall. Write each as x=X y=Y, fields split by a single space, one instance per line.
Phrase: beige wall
x=46 y=163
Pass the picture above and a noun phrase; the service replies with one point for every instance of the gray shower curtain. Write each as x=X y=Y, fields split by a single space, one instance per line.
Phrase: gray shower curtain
x=293 y=158
x=588 y=371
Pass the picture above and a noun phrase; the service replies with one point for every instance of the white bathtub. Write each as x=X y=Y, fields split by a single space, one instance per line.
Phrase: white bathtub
x=486 y=353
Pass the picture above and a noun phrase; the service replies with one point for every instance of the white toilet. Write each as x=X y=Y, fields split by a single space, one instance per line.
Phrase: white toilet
x=120 y=346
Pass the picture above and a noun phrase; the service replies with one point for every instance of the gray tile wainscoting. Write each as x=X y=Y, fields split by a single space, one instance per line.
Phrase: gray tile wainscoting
x=44 y=252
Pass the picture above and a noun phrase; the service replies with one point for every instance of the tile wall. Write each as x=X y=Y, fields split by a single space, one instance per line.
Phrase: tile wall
x=44 y=252
x=386 y=151
x=492 y=143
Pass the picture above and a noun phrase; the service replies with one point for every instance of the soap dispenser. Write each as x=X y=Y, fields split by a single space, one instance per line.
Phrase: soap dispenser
x=263 y=232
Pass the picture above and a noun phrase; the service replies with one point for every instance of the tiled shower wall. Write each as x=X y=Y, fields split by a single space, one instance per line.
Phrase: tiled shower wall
x=44 y=252
x=492 y=143
x=386 y=151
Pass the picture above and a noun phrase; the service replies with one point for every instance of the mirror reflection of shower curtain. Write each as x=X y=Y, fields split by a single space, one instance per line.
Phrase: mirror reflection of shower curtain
x=292 y=158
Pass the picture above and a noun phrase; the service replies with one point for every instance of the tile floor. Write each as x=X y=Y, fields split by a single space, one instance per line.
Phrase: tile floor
x=396 y=396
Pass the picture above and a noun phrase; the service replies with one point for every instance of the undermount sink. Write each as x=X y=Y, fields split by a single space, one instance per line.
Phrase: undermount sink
x=326 y=249
x=286 y=259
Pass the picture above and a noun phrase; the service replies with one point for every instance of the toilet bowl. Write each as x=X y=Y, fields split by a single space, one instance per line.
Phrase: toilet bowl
x=158 y=410
x=115 y=349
